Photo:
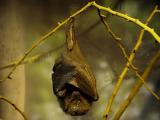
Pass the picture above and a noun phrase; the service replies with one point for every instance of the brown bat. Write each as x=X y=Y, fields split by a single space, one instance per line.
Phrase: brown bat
x=73 y=81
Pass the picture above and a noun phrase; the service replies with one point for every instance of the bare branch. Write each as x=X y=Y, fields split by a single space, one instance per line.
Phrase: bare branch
x=114 y=6
x=108 y=27
x=137 y=86
x=128 y=18
x=16 y=108
x=32 y=59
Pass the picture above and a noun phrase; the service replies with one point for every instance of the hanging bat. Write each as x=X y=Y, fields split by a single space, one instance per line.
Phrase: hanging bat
x=73 y=81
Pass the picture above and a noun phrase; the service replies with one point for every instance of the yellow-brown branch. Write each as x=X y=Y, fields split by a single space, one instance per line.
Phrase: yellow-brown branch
x=12 y=104
x=137 y=86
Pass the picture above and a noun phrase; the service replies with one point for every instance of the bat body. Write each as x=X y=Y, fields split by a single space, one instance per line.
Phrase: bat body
x=73 y=81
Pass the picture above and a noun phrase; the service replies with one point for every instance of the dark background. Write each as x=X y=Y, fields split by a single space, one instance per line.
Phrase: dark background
x=37 y=17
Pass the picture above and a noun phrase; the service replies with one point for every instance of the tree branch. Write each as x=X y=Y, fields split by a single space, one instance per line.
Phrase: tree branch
x=32 y=59
x=16 y=108
x=137 y=86
x=128 y=18
x=113 y=6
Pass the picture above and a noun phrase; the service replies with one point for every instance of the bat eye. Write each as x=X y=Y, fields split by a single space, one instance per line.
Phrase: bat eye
x=56 y=66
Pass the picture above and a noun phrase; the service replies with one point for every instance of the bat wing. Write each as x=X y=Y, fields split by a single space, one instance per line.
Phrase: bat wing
x=86 y=83
x=62 y=74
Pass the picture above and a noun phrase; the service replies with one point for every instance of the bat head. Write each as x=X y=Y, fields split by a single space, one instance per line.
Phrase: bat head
x=73 y=101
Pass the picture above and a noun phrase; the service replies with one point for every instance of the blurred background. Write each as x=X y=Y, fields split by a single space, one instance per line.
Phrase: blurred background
x=22 y=22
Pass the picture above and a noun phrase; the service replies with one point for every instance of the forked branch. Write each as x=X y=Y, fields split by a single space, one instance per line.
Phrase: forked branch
x=32 y=59
x=122 y=48
x=130 y=19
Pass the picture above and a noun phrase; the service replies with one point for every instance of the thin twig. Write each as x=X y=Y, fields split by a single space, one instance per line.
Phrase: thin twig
x=114 y=6
x=158 y=11
x=126 y=68
x=116 y=38
x=137 y=86
x=121 y=46
x=32 y=59
x=135 y=70
x=107 y=26
x=16 y=108
x=129 y=19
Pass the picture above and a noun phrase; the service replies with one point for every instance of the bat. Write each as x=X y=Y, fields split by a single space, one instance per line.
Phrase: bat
x=73 y=81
